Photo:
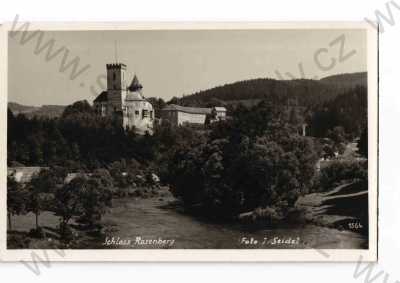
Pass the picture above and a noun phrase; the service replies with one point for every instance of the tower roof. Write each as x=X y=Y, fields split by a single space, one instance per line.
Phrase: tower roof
x=191 y=110
x=135 y=85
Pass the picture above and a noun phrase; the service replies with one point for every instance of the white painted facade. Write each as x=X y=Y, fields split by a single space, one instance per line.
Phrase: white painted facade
x=180 y=115
x=191 y=118
x=138 y=113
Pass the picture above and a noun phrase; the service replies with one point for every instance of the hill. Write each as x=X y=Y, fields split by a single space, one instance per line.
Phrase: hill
x=49 y=111
x=349 y=79
x=19 y=108
x=305 y=91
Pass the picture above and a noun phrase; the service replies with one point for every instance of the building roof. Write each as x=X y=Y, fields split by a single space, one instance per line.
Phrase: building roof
x=192 y=110
x=24 y=174
x=221 y=109
x=101 y=97
x=135 y=85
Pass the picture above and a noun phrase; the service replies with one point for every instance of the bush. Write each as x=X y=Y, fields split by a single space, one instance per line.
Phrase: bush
x=341 y=171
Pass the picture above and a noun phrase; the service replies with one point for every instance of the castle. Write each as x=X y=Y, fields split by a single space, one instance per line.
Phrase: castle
x=123 y=102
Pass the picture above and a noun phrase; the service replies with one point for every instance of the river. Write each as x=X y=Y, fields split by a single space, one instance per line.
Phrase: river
x=151 y=223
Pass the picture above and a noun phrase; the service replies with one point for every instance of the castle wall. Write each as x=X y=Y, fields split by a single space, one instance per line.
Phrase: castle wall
x=139 y=115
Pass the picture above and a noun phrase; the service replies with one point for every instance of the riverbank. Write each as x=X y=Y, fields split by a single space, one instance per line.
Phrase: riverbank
x=344 y=207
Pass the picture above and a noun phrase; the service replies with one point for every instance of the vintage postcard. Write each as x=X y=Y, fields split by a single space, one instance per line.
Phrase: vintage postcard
x=189 y=141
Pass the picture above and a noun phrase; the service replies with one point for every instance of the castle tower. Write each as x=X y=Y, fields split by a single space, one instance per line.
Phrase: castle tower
x=116 y=87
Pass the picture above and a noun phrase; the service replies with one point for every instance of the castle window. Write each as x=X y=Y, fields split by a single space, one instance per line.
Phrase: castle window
x=137 y=112
x=145 y=114
x=151 y=114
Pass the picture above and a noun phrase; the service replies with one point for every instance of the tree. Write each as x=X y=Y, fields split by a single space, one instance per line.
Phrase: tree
x=68 y=201
x=294 y=116
x=174 y=100
x=36 y=203
x=47 y=180
x=75 y=155
x=77 y=108
x=41 y=189
x=158 y=105
x=337 y=135
x=16 y=199
x=121 y=176
x=276 y=170
x=96 y=196
x=339 y=138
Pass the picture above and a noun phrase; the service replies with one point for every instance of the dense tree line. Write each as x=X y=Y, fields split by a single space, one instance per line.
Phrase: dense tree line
x=78 y=139
x=348 y=110
x=81 y=141
x=308 y=93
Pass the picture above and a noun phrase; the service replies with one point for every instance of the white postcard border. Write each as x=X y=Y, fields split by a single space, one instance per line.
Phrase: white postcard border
x=204 y=255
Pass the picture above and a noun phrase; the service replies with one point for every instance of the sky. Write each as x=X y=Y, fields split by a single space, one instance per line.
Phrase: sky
x=175 y=62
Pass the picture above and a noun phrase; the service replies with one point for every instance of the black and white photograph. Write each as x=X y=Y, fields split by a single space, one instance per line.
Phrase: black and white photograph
x=209 y=138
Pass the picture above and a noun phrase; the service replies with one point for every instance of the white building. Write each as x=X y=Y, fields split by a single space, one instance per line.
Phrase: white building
x=125 y=103
x=219 y=113
x=179 y=115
